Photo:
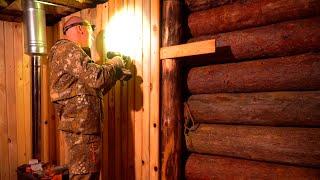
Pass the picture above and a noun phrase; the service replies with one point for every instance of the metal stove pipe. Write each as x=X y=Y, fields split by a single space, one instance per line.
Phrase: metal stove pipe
x=35 y=46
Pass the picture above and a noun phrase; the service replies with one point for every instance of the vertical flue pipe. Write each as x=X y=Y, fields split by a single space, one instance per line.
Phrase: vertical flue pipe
x=35 y=46
x=36 y=105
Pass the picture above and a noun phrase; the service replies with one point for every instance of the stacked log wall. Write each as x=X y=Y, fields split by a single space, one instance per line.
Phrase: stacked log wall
x=254 y=103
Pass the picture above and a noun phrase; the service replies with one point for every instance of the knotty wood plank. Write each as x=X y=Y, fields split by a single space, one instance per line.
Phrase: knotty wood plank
x=138 y=94
x=155 y=91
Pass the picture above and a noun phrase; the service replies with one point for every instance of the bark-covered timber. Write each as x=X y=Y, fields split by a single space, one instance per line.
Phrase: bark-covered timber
x=265 y=108
x=252 y=13
x=201 y=167
x=291 y=73
x=282 y=39
x=299 y=146
x=171 y=108
x=199 y=5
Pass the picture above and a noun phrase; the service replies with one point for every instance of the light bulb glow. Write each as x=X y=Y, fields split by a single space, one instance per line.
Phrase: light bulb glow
x=122 y=33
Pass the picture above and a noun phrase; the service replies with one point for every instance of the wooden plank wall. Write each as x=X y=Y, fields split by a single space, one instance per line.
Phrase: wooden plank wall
x=131 y=109
x=15 y=102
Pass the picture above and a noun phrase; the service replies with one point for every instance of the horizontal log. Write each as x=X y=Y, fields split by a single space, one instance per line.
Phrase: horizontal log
x=201 y=167
x=299 y=146
x=249 y=14
x=291 y=73
x=282 y=39
x=198 y=5
x=271 y=108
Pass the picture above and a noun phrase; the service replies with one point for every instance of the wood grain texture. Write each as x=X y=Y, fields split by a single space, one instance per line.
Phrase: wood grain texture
x=11 y=98
x=265 y=108
x=146 y=56
x=20 y=105
x=300 y=72
x=171 y=112
x=299 y=146
x=4 y=155
x=252 y=13
x=202 y=167
x=188 y=49
x=282 y=39
x=138 y=107
x=155 y=92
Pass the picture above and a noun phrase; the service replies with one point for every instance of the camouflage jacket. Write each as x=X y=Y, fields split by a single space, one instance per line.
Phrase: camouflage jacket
x=77 y=85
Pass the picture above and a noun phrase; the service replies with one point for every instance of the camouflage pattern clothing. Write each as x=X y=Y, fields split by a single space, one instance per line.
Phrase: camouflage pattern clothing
x=77 y=85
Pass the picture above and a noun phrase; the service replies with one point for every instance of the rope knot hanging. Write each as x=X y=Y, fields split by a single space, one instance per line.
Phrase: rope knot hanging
x=189 y=123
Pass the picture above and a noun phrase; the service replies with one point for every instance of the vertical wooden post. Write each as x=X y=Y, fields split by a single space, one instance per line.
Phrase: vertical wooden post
x=171 y=113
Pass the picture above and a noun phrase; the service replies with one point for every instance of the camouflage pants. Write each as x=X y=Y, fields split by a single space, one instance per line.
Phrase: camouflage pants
x=84 y=152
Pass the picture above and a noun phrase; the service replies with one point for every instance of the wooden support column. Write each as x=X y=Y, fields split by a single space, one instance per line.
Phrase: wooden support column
x=171 y=113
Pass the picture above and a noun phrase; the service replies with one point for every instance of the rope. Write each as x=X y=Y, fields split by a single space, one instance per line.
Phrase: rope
x=189 y=124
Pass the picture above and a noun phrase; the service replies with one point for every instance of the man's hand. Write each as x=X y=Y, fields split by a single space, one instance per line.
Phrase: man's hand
x=124 y=65
x=126 y=59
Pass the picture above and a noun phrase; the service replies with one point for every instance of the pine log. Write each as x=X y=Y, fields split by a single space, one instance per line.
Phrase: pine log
x=266 y=108
x=201 y=167
x=283 y=39
x=251 y=13
x=299 y=146
x=199 y=5
x=171 y=108
x=292 y=73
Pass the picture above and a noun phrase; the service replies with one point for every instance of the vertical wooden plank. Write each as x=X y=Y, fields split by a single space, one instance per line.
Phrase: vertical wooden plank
x=146 y=89
x=138 y=119
x=105 y=157
x=4 y=155
x=45 y=102
x=51 y=35
x=118 y=108
x=54 y=136
x=131 y=110
x=124 y=118
x=155 y=90
x=11 y=98
x=99 y=59
x=111 y=115
x=27 y=103
x=20 y=106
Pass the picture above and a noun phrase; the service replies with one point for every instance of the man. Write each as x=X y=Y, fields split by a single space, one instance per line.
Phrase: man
x=77 y=85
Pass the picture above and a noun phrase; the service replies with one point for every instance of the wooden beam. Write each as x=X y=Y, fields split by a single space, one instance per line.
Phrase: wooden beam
x=189 y=49
x=171 y=112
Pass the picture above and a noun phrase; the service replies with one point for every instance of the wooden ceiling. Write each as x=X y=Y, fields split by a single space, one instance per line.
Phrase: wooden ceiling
x=11 y=10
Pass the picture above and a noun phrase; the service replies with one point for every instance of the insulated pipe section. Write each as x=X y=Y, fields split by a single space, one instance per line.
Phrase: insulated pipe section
x=34 y=27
